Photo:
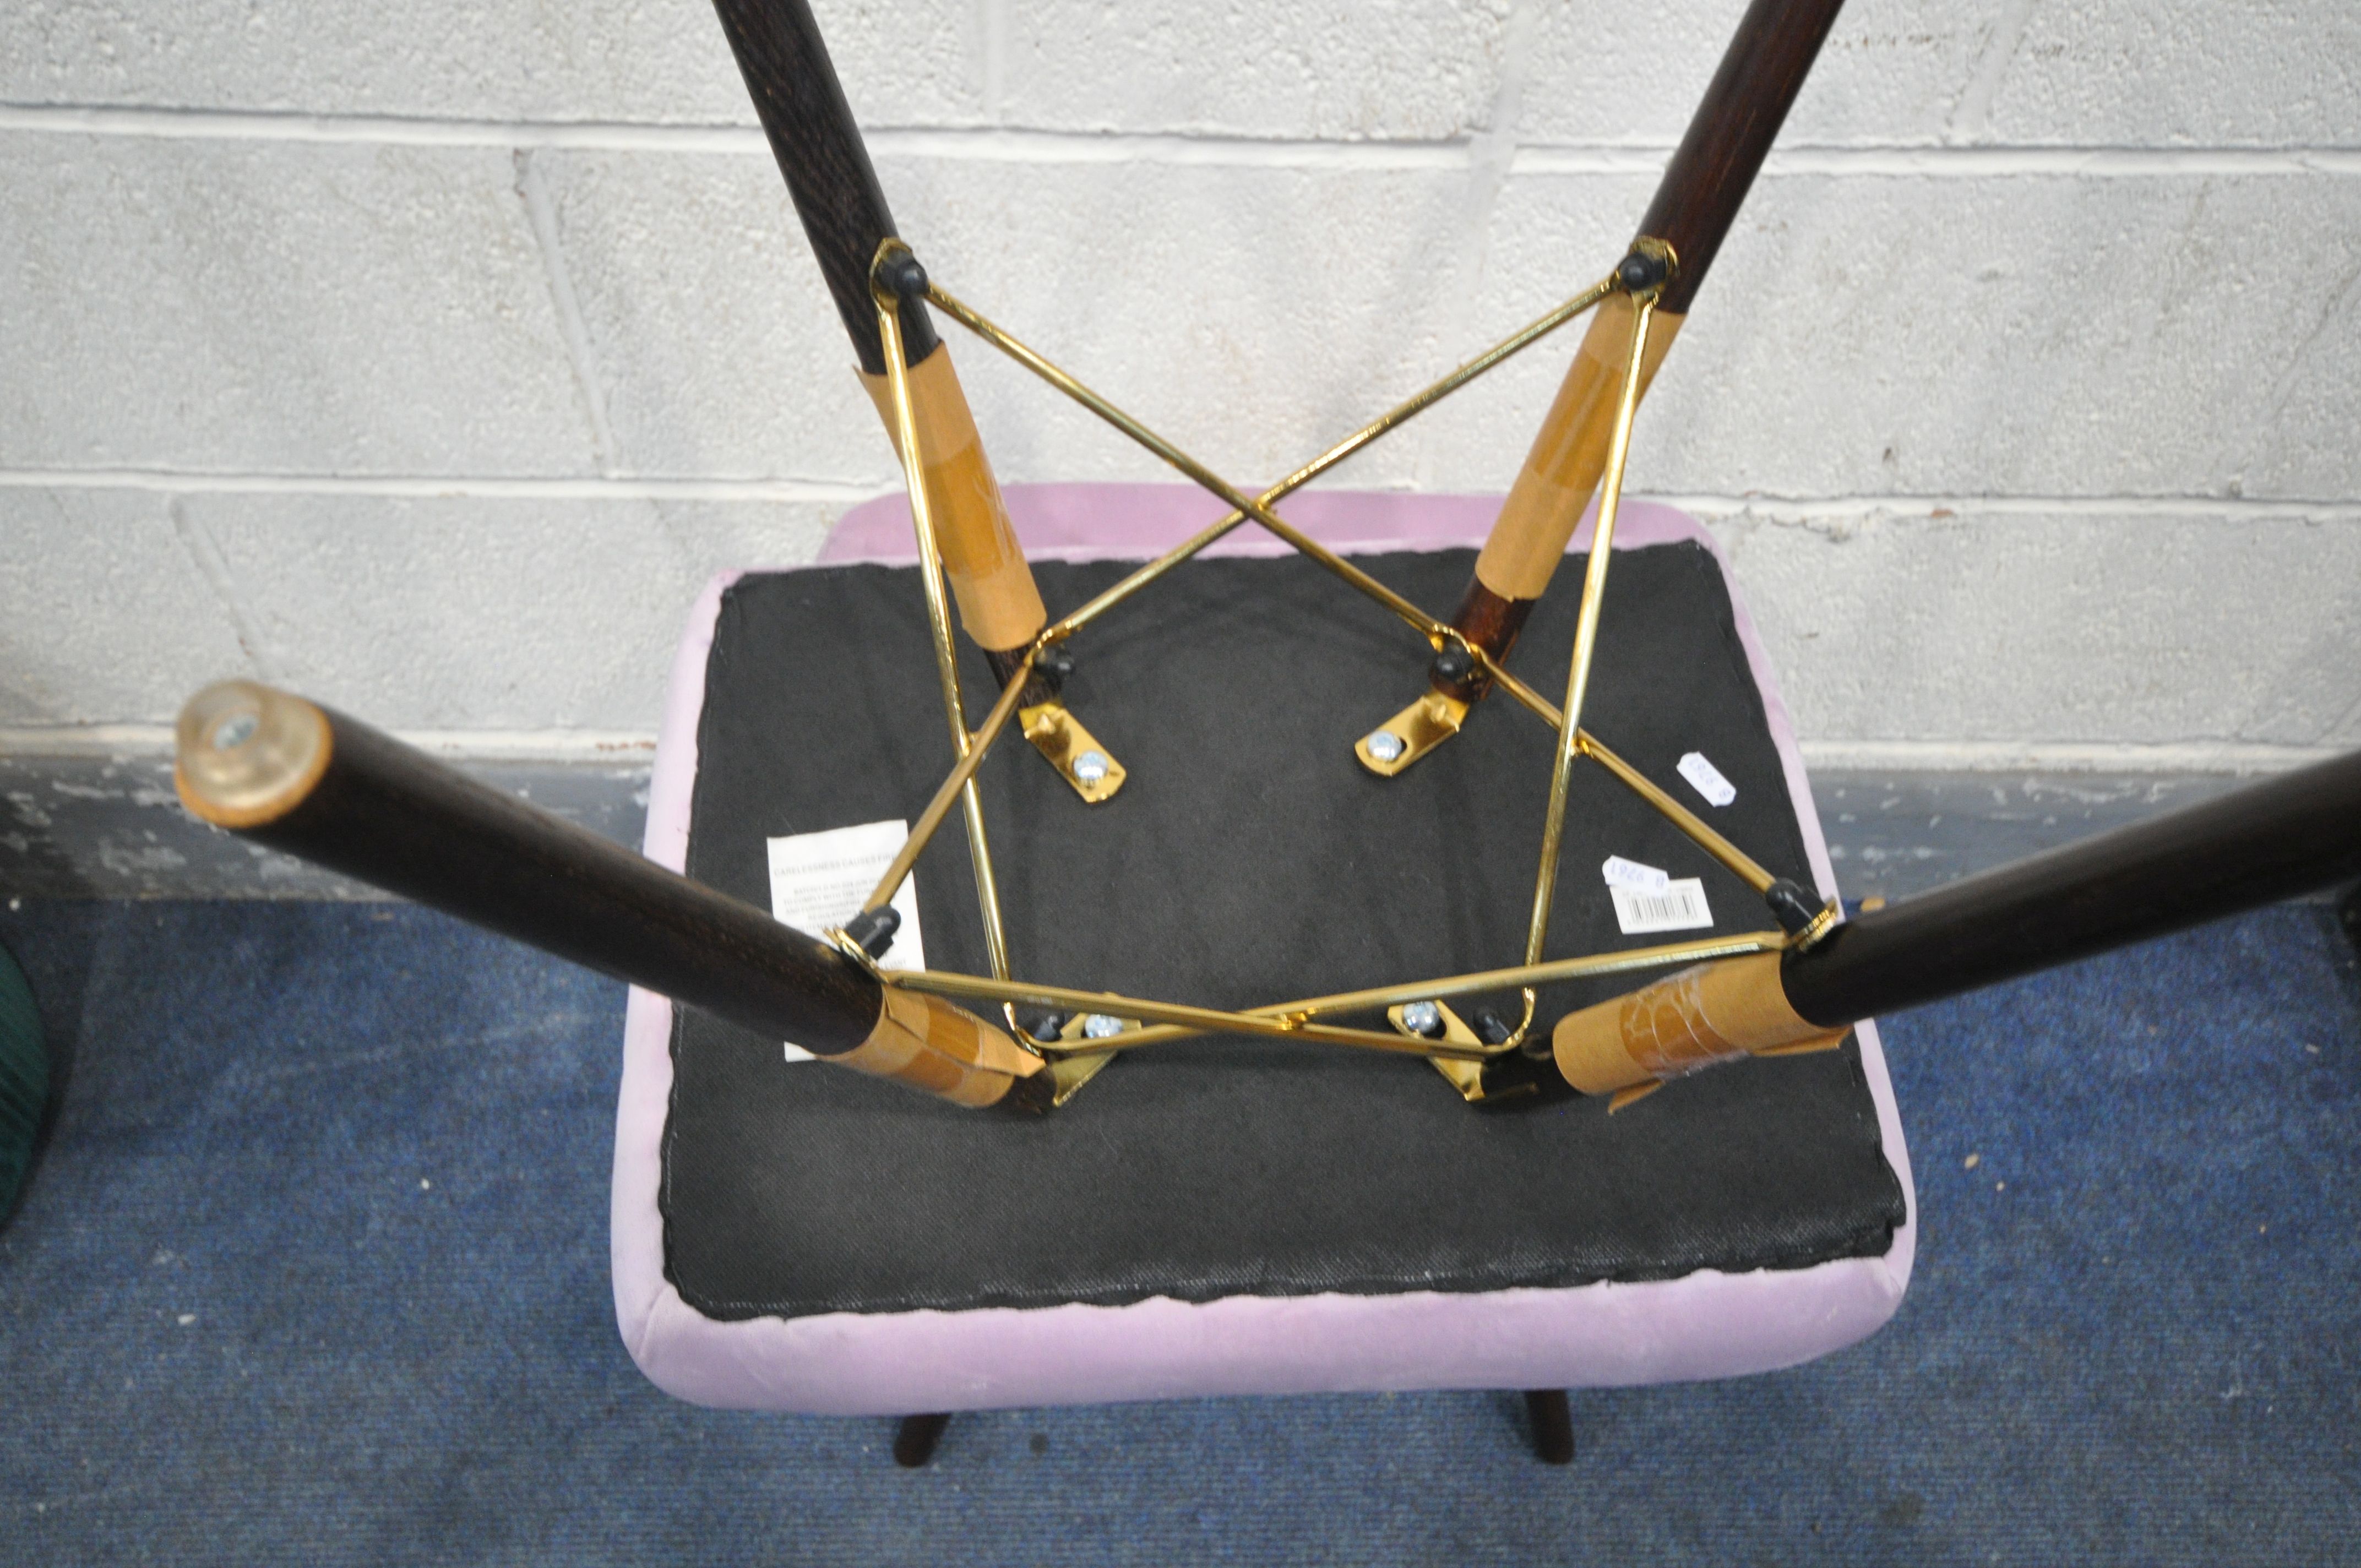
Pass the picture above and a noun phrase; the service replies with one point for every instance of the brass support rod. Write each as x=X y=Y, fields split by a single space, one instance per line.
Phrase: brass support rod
x=1573 y=740
x=1673 y=811
x=1532 y=700
x=968 y=317
x=930 y=571
x=1259 y=510
x=1639 y=784
x=1400 y=414
x=1192 y=1020
x=923 y=830
x=1585 y=628
x=1528 y=975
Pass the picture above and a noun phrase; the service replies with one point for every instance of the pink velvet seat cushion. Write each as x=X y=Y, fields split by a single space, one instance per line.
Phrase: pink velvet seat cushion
x=1704 y=1323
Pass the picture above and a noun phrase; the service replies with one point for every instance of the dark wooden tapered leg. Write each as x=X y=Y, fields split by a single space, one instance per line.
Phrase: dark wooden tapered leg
x=914 y=1443
x=1553 y=1425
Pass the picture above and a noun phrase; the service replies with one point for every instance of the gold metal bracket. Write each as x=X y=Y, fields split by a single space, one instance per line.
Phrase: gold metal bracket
x=1822 y=923
x=1068 y=1073
x=1072 y=750
x=1467 y=1076
x=1411 y=734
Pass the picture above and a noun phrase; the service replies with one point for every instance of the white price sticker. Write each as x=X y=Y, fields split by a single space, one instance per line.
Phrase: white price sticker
x=1681 y=906
x=819 y=880
x=1620 y=873
x=1706 y=780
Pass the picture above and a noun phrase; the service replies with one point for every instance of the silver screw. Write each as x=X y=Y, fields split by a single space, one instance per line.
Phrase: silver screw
x=1384 y=745
x=1422 y=1018
x=1091 y=766
x=1098 y=1027
x=236 y=731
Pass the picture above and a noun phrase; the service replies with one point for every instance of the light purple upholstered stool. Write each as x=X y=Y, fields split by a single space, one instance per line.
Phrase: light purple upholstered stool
x=1707 y=1325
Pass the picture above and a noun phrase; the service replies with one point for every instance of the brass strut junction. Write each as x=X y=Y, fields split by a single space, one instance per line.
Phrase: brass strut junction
x=1088 y=1028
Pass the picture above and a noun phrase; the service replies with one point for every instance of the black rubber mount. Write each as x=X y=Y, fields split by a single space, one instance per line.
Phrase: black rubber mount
x=903 y=276
x=1452 y=665
x=1053 y=665
x=873 y=930
x=1041 y=1022
x=1794 y=906
x=1641 y=270
x=1490 y=1028
x=1518 y=1081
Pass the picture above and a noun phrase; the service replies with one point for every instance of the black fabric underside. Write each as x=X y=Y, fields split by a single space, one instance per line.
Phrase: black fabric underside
x=1249 y=860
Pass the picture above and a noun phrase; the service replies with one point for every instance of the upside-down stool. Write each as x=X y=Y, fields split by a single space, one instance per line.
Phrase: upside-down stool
x=1227 y=1215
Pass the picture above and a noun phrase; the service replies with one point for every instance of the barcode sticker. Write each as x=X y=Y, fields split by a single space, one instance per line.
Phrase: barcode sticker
x=819 y=880
x=1680 y=907
x=1706 y=780
x=1620 y=873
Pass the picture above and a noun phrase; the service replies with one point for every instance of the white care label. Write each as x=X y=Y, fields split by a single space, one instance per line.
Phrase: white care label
x=1706 y=780
x=1679 y=907
x=1620 y=873
x=819 y=880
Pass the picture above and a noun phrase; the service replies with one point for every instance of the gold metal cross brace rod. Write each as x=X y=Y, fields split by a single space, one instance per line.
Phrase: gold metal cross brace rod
x=1435 y=631
x=930 y=571
x=1489 y=979
x=1586 y=630
x=1673 y=812
x=923 y=830
x=969 y=317
x=1401 y=413
x=1589 y=745
x=1721 y=848
x=1167 y=1020
x=1639 y=784
x=1192 y=1020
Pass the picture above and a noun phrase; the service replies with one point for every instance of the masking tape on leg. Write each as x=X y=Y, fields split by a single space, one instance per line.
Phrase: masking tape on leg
x=998 y=602
x=1683 y=1024
x=929 y=1044
x=1568 y=454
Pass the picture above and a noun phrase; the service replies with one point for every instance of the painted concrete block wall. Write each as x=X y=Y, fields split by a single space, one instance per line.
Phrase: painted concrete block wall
x=427 y=358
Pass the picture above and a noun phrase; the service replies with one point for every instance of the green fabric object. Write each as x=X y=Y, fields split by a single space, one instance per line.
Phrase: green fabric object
x=23 y=1078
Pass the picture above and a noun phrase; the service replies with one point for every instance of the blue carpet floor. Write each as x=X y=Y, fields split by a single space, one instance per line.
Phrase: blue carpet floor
x=314 y=1270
